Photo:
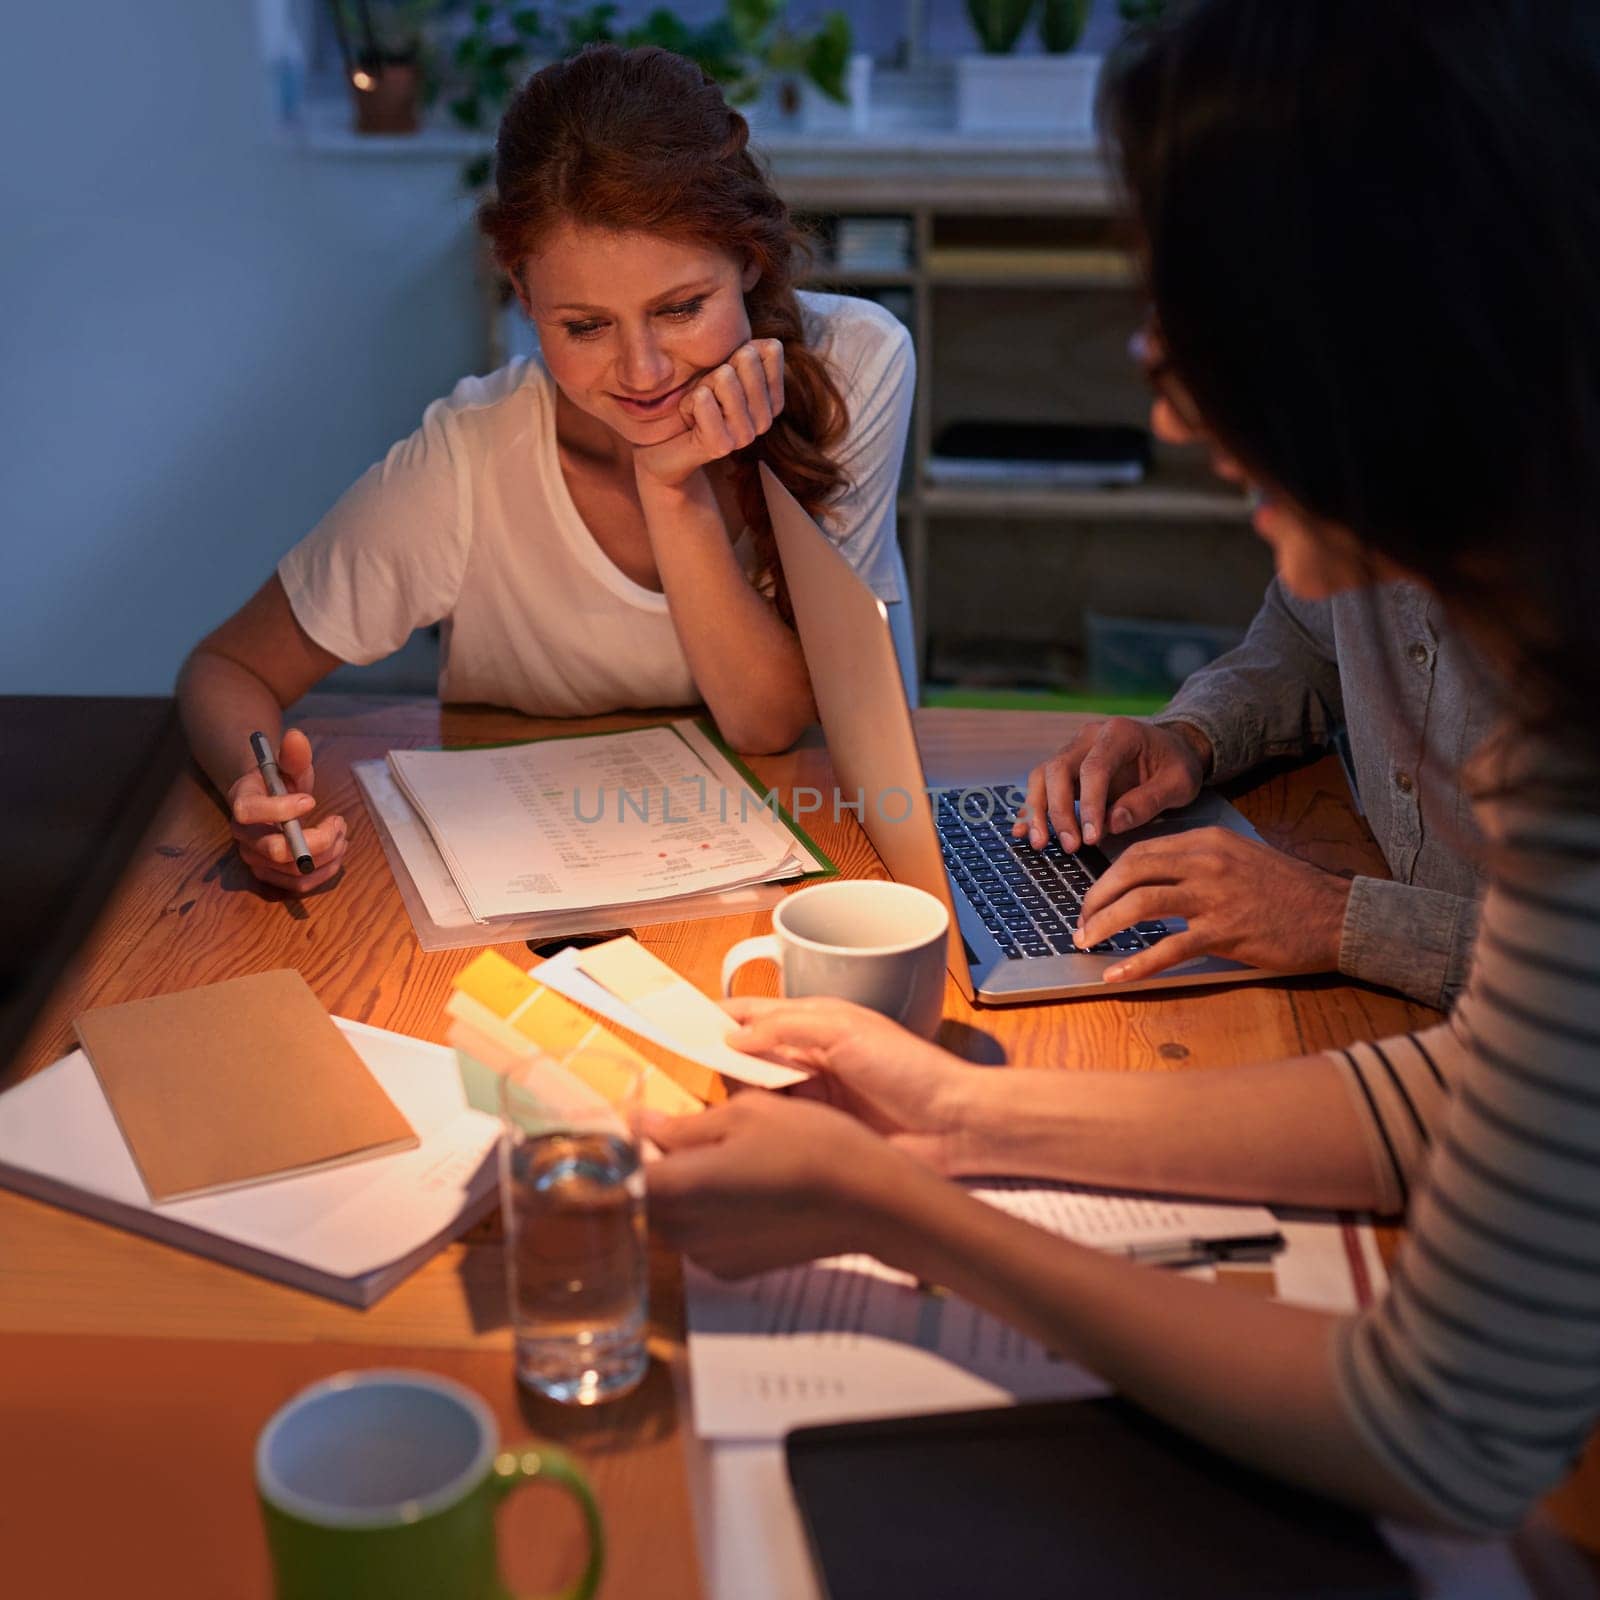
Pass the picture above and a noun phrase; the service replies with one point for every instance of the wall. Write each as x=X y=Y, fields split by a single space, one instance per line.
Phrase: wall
x=206 y=334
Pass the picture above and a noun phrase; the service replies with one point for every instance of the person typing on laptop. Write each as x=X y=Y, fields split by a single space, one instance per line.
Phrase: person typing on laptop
x=1383 y=664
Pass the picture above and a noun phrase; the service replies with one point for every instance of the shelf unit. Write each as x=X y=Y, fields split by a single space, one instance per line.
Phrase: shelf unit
x=1022 y=302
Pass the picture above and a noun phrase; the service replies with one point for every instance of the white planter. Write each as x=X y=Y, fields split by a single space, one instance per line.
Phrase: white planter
x=1027 y=94
x=820 y=114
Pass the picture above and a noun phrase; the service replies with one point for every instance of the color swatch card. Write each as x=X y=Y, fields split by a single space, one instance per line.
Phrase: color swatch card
x=623 y=981
x=237 y=1083
x=500 y=1017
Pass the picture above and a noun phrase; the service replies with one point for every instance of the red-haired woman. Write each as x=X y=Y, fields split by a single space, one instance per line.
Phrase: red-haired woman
x=588 y=526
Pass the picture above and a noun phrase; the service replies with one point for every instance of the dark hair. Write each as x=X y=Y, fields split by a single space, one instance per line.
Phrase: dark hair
x=1372 y=237
x=643 y=140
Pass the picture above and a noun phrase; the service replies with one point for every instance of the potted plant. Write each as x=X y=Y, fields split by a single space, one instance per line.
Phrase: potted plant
x=381 y=48
x=746 y=49
x=998 y=92
x=1061 y=24
x=815 y=79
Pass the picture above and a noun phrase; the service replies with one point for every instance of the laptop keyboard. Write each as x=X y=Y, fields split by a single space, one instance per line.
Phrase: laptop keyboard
x=1030 y=900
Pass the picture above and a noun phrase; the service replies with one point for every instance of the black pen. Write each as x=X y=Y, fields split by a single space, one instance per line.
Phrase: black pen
x=275 y=785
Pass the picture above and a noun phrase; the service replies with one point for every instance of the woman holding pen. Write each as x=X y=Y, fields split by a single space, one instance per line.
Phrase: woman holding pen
x=1372 y=239
x=587 y=526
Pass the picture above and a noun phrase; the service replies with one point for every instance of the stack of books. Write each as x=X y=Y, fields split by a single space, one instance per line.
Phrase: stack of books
x=873 y=244
x=1039 y=454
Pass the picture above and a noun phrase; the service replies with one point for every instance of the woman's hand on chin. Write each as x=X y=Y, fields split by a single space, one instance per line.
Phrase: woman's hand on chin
x=728 y=408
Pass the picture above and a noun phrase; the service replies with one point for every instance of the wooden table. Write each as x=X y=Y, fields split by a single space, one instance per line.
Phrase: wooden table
x=134 y=1377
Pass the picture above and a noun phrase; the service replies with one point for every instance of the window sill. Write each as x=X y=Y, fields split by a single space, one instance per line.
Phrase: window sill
x=324 y=130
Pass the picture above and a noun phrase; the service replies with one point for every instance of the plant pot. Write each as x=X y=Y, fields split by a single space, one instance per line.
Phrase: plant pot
x=390 y=105
x=820 y=114
x=1028 y=94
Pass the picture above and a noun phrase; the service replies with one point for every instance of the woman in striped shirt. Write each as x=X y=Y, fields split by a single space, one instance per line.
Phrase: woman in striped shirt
x=1372 y=231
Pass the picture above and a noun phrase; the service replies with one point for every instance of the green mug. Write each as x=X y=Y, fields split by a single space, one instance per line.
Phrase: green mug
x=383 y=1486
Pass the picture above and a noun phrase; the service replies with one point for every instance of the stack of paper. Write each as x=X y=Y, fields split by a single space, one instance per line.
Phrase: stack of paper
x=587 y=831
x=350 y=1232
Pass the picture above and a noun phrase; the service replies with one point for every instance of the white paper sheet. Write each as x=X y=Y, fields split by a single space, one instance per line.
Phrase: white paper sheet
x=1168 y=1232
x=591 y=820
x=848 y=1338
x=677 y=1017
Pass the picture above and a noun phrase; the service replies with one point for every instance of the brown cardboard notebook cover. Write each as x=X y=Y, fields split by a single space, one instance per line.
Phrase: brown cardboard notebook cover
x=234 y=1083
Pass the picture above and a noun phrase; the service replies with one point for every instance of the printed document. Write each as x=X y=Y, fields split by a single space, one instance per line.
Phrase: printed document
x=849 y=1338
x=594 y=820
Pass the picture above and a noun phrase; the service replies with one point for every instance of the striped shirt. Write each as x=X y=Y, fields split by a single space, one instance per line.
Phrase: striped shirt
x=1477 y=1379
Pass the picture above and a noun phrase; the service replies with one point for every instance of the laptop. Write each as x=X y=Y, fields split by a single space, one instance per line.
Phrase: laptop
x=69 y=841
x=1013 y=909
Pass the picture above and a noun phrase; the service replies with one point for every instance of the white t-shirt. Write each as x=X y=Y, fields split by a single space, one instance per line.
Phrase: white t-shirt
x=469 y=523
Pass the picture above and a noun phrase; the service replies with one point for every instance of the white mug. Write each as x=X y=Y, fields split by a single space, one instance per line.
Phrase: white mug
x=880 y=944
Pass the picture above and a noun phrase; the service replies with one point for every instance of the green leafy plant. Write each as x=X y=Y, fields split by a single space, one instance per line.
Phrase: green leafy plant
x=487 y=59
x=396 y=27
x=1141 y=13
x=749 y=44
x=768 y=47
x=1061 y=24
x=999 y=23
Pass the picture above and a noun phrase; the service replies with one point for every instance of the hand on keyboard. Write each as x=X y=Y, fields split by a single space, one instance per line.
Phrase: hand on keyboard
x=1029 y=900
x=1241 y=898
x=1138 y=768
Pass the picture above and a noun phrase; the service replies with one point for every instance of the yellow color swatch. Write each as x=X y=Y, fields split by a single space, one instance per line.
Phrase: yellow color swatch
x=494 y=982
x=505 y=1011
x=553 y=1022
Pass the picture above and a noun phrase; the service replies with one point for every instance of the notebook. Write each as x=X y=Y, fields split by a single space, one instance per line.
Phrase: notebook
x=350 y=1231
x=234 y=1083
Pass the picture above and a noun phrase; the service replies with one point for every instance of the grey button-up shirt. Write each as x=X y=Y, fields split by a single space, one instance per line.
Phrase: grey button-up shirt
x=1381 y=664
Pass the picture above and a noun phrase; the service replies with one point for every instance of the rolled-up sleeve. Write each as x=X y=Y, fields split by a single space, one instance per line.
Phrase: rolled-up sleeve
x=1418 y=941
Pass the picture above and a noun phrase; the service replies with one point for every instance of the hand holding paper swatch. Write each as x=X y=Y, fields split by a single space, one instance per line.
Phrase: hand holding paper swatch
x=625 y=982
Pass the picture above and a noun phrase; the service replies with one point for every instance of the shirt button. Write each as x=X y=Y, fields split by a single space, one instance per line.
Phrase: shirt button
x=1418 y=653
x=1402 y=781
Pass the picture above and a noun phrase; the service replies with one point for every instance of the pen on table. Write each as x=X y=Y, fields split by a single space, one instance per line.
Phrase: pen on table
x=1207 y=1252
x=273 y=779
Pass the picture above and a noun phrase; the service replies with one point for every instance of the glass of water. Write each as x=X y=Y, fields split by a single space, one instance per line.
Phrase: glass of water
x=572 y=1193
